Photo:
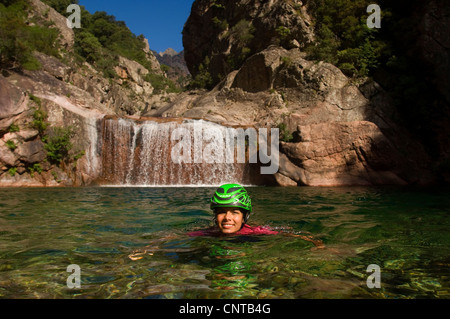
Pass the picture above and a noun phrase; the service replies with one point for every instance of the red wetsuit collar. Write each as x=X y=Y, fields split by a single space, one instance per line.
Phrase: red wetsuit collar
x=245 y=230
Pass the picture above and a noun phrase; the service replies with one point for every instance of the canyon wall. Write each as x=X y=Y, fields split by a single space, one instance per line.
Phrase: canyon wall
x=334 y=130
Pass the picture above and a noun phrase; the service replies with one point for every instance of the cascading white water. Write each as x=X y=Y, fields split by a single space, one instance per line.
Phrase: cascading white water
x=92 y=151
x=147 y=153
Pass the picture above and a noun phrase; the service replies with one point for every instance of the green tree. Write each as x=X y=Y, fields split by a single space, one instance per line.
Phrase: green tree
x=18 y=40
x=203 y=78
x=327 y=47
x=244 y=31
x=60 y=5
x=88 y=46
x=283 y=34
x=58 y=144
x=344 y=38
x=39 y=120
x=14 y=51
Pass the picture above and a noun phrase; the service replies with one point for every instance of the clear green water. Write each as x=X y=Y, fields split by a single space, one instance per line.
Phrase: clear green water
x=404 y=231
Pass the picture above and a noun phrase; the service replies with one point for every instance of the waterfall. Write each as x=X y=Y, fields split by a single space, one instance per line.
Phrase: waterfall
x=161 y=152
x=92 y=151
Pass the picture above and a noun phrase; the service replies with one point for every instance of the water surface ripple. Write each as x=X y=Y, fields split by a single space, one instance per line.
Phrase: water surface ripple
x=403 y=230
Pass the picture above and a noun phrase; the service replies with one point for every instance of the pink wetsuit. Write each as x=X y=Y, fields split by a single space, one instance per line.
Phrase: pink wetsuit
x=246 y=230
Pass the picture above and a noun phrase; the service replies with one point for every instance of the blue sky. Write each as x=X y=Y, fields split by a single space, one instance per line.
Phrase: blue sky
x=161 y=22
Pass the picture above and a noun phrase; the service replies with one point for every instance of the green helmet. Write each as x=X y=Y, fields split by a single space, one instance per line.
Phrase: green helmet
x=232 y=195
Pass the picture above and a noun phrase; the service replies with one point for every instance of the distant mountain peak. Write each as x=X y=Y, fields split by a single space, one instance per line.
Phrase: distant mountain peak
x=169 y=52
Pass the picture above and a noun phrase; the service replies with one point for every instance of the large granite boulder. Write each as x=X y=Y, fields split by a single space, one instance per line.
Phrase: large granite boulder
x=31 y=152
x=348 y=153
x=12 y=101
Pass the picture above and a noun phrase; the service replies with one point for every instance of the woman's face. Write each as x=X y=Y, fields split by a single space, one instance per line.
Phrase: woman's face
x=229 y=219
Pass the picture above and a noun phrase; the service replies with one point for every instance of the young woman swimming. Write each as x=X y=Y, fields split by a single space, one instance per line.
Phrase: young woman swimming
x=232 y=207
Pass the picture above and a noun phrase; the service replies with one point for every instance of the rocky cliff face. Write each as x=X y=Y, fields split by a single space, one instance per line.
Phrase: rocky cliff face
x=334 y=130
x=434 y=47
x=434 y=42
x=342 y=133
x=71 y=96
x=178 y=72
x=220 y=35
